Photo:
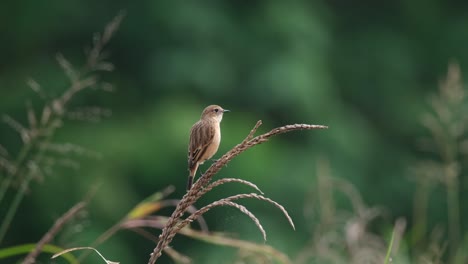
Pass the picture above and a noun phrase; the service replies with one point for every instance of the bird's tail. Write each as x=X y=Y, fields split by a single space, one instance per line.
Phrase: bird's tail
x=193 y=171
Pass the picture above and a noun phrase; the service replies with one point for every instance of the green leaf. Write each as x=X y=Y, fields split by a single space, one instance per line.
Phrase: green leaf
x=26 y=248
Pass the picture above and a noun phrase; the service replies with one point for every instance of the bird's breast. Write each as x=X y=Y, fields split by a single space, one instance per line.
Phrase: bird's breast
x=213 y=147
x=217 y=136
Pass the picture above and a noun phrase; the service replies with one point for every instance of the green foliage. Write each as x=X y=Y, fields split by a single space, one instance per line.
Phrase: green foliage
x=9 y=252
x=364 y=69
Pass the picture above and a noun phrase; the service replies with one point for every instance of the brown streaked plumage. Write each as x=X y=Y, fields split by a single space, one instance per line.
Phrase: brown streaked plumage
x=205 y=137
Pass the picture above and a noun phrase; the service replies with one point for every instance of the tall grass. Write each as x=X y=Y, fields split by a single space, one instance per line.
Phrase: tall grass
x=447 y=124
x=37 y=136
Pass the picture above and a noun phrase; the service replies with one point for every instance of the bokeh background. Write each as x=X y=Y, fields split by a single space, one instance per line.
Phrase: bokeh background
x=364 y=69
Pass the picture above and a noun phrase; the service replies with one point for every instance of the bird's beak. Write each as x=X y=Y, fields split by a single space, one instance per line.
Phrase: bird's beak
x=225 y=110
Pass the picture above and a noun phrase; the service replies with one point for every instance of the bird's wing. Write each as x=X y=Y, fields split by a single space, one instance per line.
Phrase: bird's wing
x=201 y=136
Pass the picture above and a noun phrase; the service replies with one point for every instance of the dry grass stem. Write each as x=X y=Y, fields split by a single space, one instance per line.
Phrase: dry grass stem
x=174 y=223
x=221 y=239
x=83 y=248
x=58 y=225
x=146 y=234
x=177 y=257
x=153 y=222
x=213 y=238
x=223 y=202
x=262 y=198
x=172 y=253
x=228 y=180
x=191 y=210
x=18 y=127
x=100 y=41
x=137 y=226
x=91 y=114
x=69 y=148
x=36 y=87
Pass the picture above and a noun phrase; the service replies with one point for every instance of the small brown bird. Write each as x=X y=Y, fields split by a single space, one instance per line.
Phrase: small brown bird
x=205 y=137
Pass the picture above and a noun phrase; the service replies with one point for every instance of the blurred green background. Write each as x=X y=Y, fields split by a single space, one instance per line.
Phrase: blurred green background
x=364 y=69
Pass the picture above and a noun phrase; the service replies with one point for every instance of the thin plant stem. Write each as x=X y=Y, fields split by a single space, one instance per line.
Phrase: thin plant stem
x=22 y=190
x=240 y=244
x=10 y=176
x=420 y=211
x=58 y=225
x=453 y=208
x=14 y=205
x=389 y=249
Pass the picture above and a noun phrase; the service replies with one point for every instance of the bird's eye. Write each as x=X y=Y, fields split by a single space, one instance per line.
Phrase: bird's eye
x=216 y=110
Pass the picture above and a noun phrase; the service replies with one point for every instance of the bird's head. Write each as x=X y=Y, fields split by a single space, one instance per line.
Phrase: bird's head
x=213 y=112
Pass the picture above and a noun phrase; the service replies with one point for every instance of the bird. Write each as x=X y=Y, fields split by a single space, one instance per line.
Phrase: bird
x=205 y=137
